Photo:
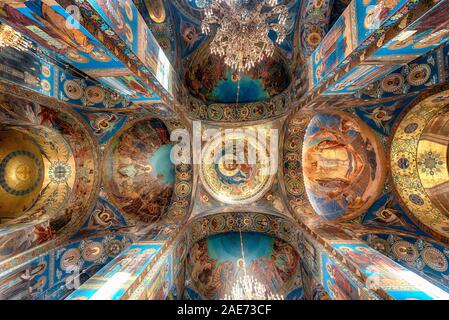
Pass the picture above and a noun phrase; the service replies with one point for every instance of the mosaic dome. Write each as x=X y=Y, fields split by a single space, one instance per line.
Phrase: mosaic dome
x=342 y=166
x=227 y=173
x=139 y=175
x=418 y=162
x=21 y=173
x=210 y=80
x=217 y=258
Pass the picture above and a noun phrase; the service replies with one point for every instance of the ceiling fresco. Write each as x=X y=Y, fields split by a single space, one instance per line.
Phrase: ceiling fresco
x=342 y=72
x=343 y=166
x=387 y=213
x=206 y=76
x=158 y=17
x=50 y=271
x=314 y=24
x=382 y=116
x=139 y=175
x=21 y=173
x=70 y=180
x=432 y=160
x=45 y=23
x=218 y=257
x=226 y=173
x=271 y=201
x=209 y=79
x=420 y=74
x=188 y=15
x=274 y=225
x=46 y=76
x=428 y=258
x=337 y=169
x=417 y=163
x=103 y=217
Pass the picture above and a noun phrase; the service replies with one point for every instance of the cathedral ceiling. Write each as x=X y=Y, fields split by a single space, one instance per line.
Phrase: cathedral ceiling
x=377 y=162
x=182 y=19
x=127 y=149
x=238 y=170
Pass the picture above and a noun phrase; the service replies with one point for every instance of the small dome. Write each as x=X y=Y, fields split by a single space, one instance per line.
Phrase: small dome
x=210 y=80
x=21 y=173
x=139 y=174
x=342 y=165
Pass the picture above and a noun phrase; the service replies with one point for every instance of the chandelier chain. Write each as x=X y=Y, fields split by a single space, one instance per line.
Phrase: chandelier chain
x=248 y=287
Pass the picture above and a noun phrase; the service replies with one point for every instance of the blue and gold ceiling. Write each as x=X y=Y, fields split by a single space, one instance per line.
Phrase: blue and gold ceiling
x=92 y=114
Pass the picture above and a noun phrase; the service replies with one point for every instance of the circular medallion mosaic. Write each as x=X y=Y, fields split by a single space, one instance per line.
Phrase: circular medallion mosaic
x=21 y=172
x=92 y=251
x=314 y=39
x=70 y=258
x=380 y=244
x=405 y=251
x=94 y=94
x=419 y=75
x=236 y=168
x=435 y=259
x=113 y=247
x=392 y=82
x=411 y=127
x=60 y=172
x=46 y=71
x=73 y=90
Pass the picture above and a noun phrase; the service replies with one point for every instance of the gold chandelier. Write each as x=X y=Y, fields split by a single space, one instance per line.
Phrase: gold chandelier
x=248 y=287
x=11 y=38
x=242 y=37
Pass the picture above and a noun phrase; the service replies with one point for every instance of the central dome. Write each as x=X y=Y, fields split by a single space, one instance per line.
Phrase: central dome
x=227 y=172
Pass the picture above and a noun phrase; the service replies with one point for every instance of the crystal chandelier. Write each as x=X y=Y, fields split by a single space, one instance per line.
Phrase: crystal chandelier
x=242 y=30
x=11 y=38
x=248 y=287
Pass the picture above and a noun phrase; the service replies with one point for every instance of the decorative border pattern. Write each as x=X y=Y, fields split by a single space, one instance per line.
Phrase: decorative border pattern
x=293 y=179
x=254 y=111
x=276 y=226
